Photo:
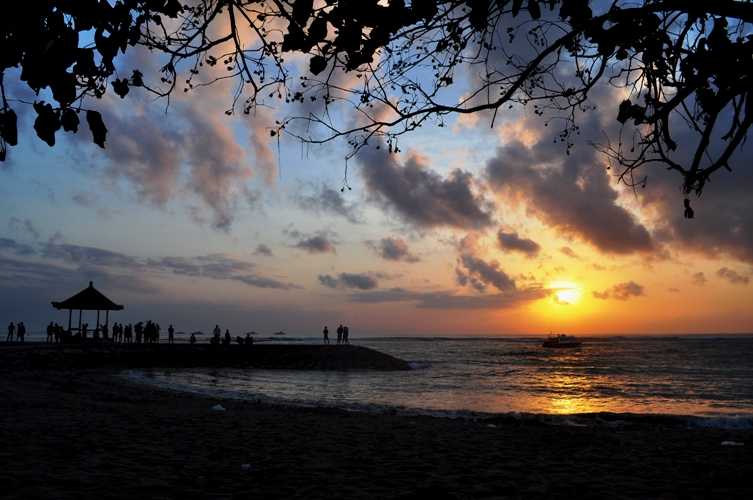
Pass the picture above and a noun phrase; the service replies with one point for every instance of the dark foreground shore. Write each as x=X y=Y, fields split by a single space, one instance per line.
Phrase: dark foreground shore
x=87 y=433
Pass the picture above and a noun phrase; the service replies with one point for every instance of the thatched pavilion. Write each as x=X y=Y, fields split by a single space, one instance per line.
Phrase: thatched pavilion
x=88 y=299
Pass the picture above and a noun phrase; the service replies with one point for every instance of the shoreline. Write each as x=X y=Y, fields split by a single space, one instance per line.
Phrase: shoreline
x=85 y=433
x=729 y=421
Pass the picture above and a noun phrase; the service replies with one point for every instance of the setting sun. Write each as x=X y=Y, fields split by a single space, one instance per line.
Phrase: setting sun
x=566 y=292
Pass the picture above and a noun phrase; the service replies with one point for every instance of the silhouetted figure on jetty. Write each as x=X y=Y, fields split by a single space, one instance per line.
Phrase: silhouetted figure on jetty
x=21 y=332
x=84 y=331
x=128 y=334
x=170 y=334
x=11 y=331
x=138 y=329
x=249 y=338
x=228 y=339
x=50 y=333
x=216 y=336
x=346 y=333
x=192 y=340
x=325 y=334
x=340 y=334
x=105 y=332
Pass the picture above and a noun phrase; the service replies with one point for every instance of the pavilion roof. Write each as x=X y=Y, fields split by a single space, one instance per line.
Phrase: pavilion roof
x=88 y=299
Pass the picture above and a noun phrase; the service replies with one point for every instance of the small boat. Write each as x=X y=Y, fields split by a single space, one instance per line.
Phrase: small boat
x=561 y=341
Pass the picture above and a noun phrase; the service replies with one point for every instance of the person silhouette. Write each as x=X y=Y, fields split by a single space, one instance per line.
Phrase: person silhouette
x=21 y=332
x=11 y=331
x=170 y=334
x=346 y=333
x=325 y=334
x=50 y=333
x=340 y=334
x=228 y=339
x=192 y=340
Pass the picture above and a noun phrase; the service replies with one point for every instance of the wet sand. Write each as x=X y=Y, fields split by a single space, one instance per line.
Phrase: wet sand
x=88 y=433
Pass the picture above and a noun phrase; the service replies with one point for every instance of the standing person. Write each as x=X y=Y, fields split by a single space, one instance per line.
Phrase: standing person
x=192 y=340
x=346 y=332
x=11 y=330
x=157 y=328
x=340 y=334
x=325 y=333
x=105 y=332
x=228 y=339
x=84 y=330
x=50 y=333
x=21 y=333
x=170 y=334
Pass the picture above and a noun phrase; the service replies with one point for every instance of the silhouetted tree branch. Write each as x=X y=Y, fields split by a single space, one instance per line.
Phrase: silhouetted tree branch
x=684 y=68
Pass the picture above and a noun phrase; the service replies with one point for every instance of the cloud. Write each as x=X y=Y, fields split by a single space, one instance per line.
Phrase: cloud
x=479 y=274
x=572 y=195
x=12 y=246
x=395 y=249
x=321 y=242
x=699 y=279
x=420 y=196
x=621 y=291
x=263 y=250
x=85 y=199
x=449 y=300
x=86 y=255
x=363 y=281
x=326 y=200
x=218 y=267
x=511 y=241
x=23 y=226
x=569 y=252
x=732 y=276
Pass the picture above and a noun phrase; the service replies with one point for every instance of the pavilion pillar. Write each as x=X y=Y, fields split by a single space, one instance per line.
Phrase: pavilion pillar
x=80 y=312
x=97 y=320
x=70 y=313
x=107 y=319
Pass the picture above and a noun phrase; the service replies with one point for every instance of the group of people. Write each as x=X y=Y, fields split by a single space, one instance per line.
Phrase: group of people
x=343 y=335
x=148 y=333
x=227 y=339
x=18 y=330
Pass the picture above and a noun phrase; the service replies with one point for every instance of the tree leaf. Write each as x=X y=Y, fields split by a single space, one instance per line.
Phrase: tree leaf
x=120 y=87
x=534 y=9
x=47 y=123
x=317 y=64
x=8 y=126
x=97 y=126
x=70 y=120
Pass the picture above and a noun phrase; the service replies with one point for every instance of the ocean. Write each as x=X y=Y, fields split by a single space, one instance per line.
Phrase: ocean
x=708 y=377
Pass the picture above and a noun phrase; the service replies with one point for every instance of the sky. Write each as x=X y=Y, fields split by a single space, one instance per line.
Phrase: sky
x=193 y=217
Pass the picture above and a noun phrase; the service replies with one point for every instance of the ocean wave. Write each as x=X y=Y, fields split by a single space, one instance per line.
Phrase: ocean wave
x=603 y=419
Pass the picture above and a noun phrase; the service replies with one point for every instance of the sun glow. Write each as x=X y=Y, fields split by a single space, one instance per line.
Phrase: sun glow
x=565 y=292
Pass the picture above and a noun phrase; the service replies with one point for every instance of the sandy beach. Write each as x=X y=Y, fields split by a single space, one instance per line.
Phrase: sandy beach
x=89 y=433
